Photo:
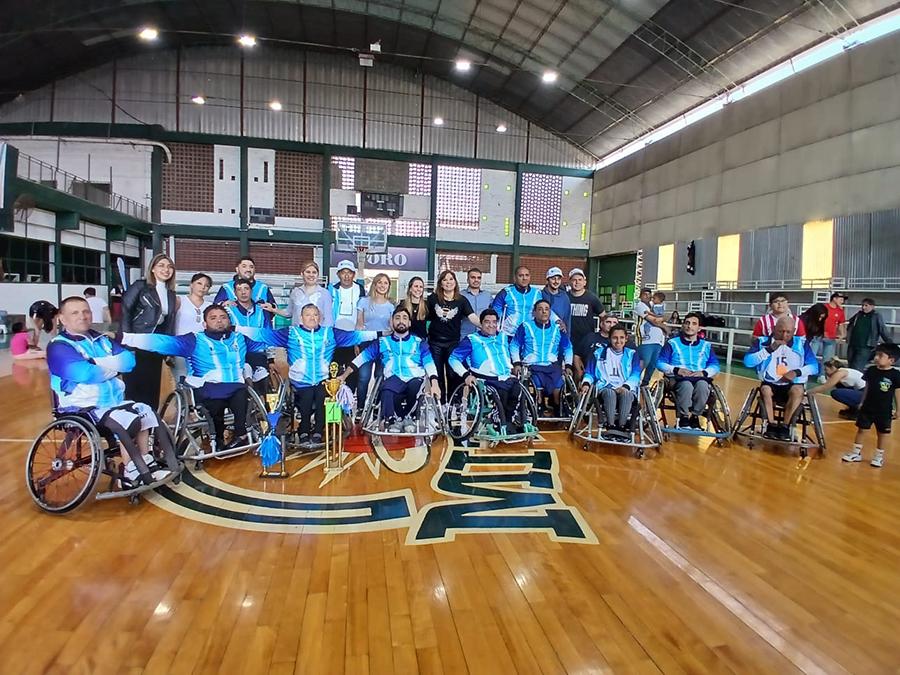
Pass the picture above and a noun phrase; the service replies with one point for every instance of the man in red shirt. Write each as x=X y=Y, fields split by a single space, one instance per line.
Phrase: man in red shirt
x=778 y=308
x=835 y=328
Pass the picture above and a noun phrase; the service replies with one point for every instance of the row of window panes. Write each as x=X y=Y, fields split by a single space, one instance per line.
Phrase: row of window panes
x=23 y=260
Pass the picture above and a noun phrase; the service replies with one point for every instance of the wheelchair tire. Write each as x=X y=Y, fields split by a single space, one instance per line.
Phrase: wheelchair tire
x=464 y=410
x=569 y=396
x=721 y=413
x=529 y=413
x=651 y=419
x=372 y=404
x=257 y=417
x=746 y=410
x=67 y=455
x=818 y=427
x=579 y=412
x=172 y=413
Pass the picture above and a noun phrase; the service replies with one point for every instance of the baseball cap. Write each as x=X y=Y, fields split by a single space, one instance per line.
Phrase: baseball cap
x=346 y=265
x=554 y=272
x=576 y=270
x=838 y=294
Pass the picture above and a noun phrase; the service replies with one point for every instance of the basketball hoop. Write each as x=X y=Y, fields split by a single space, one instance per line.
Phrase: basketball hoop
x=361 y=238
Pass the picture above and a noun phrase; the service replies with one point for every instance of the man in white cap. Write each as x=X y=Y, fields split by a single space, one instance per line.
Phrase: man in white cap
x=556 y=295
x=587 y=310
x=345 y=295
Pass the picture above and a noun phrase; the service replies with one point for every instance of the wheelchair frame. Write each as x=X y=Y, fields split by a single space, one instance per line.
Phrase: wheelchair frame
x=568 y=395
x=80 y=432
x=289 y=419
x=372 y=421
x=807 y=415
x=486 y=402
x=722 y=429
x=588 y=423
x=192 y=425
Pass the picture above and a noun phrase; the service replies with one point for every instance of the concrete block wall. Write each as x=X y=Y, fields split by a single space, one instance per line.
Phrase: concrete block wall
x=822 y=144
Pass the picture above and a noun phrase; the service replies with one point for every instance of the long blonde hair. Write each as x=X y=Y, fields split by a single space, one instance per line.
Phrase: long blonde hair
x=378 y=277
x=407 y=303
x=151 y=278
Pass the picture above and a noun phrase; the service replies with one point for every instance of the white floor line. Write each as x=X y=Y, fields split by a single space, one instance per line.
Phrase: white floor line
x=16 y=440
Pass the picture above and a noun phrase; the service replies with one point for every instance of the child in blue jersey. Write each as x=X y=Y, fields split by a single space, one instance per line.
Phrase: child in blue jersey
x=250 y=314
x=217 y=362
x=84 y=375
x=784 y=363
x=515 y=304
x=485 y=355
x=615 y=371
x=245 y=269
x=543 y=346
x=691 y=364
x=310 y=348
x=405 y=361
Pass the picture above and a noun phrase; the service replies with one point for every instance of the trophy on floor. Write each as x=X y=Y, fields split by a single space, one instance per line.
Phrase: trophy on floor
x=334 y=430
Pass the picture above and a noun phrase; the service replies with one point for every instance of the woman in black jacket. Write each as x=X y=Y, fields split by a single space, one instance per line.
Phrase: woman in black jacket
x=149 y=306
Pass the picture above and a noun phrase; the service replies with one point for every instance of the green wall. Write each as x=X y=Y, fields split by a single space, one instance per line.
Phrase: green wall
x=616 y=278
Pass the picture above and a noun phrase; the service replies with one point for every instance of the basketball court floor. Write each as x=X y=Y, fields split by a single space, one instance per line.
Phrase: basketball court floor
x=696 y=559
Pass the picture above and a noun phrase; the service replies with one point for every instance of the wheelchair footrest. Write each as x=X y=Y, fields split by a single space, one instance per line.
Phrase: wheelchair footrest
x=131 y=492
x=703 y=433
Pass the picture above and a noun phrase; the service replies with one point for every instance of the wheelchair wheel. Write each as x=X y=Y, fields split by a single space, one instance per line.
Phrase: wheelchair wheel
x=718 y=411
x=653 y=429
x=257 y=417
x=464 y=409
x=657 y=393
x=373 y=405
x=526 y=410
x=580 y=411
x=569 y=396
x=746 y=410
x=64 y=464
x=817 y=422
x=172 y=413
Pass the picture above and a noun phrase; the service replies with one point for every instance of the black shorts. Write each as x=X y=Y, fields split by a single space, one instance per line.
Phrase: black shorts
x=882 y=422
x=780 y=392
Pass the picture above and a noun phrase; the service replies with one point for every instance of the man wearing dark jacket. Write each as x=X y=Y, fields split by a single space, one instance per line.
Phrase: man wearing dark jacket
x=865 y=331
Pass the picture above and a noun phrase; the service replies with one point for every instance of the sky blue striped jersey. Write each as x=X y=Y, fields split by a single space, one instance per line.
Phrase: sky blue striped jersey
x=597 y=370
x=79 y=383
x=696 y=356
x=211 y=358
x=540 y=345
x=407 y=357
x=484 y=355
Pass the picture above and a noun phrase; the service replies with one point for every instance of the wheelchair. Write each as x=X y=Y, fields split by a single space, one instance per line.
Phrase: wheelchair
x=192 y=427
x=547 y=411
x=288 y=428
x=642 y=431
x=806 y=426
x=65 y=463
x=717 y=417
x=426 y=414
x=476 y=412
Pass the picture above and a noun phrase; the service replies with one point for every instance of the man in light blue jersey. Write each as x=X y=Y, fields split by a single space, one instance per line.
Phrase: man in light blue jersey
x=84 y=376
x=245 y=269
x=614 y=370
x=251 y=314
x=691 y=364
x=310 y=348
x=406 y=361
x=542 y=345
x=217 y=362
x=515 y=304
x=485 y=355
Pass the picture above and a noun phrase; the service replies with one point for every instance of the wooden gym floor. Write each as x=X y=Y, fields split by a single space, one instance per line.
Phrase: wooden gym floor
x=699 y=559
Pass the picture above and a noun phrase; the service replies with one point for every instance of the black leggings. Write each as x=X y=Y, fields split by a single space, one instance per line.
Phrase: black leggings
x=126 y=437
x=447 y=379
x=142 y=383
x=310 y=405
x=237 y=403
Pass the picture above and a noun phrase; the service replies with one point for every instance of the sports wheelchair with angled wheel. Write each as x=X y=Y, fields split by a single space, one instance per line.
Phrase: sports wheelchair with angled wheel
x=640 y=433
x=192 y=426
x=716 y=419
x=547 y=410
x=805 y=430
x=65 y=463
x=476 y=413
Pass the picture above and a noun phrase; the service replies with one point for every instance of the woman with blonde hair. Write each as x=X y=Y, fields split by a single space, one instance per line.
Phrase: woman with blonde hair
x=845 y=384
x=416 y=305
x=149 y=306
x=310 y=292
x=447 y=309
x=373 y=312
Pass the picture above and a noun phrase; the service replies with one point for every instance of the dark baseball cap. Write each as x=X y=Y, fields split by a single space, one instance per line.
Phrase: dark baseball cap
x=838 y=294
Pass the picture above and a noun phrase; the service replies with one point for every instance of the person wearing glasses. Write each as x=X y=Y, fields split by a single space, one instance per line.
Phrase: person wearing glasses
x=779 y=307
x=189 y=317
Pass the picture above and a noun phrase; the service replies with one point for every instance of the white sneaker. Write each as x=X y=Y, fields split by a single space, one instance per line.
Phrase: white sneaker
x=131 y=472
x=394 y=427
x=852 y=457
x=877 y=460
x=821 y=379
x=161 y=474
x=409 y=426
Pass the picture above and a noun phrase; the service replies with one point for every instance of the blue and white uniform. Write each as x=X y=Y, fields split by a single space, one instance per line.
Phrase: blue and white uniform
x=259 y=292
x=484 y=356
x=771 y=366
x=309 y=352
x=608 y=368
x=542 y=347
x=697 y=356
x=515 y=305
x=84 y=373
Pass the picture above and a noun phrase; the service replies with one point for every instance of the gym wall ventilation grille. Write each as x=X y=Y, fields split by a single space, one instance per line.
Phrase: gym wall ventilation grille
x=458 y=197
x=298 y=185
x=541 y=204
x=187 y=182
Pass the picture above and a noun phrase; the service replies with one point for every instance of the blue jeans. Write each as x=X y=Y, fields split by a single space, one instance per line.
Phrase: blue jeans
x=365 y=377
x=852 y=398
x=648 y=355
x=828 y=348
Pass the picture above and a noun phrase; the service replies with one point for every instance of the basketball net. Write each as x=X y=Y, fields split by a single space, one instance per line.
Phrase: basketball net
x=361 y=252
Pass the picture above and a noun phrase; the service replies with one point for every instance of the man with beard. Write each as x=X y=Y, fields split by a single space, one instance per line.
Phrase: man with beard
x=245 y=269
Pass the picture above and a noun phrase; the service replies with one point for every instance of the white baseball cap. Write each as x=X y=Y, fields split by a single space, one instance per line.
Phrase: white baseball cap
x=576 y=270
x=554 y=272
x=346 y=265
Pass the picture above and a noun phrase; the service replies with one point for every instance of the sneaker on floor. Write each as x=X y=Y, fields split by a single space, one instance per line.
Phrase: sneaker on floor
x=853 y=457
x=160 y=475
x=684 y=422
x=303 y=439
x=847 y=413
x=409 y=426
x=877 y=460
x=131 y=473
x=695 y=422
x=785 y=433
x=316 y=439
x=237 y=442
x=394 y=427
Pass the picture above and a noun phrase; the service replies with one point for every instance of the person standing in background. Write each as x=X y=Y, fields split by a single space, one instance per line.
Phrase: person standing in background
x=586 y=311
x=311 y=293
x=479 y=299
x=245 y=269
x=189 y=317
x=345 y=297
x=866 y=328
x=149 y=306
x=99 y=309
x=373 y=313
x=650 y=333
x=415 y=305
x=448 y=309
x=557 y=296
x=835 y=327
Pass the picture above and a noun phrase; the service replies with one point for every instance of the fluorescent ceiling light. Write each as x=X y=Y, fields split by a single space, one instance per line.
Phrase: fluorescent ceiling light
x=438 y=121
x=275 y=105
x=501 y=128
x=549 y=76
x=247 y=41
x=199 y=100
x=463 y=65
x=149 y=34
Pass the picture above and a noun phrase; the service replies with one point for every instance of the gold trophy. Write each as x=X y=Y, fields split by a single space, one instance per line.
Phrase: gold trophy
x=334 y=431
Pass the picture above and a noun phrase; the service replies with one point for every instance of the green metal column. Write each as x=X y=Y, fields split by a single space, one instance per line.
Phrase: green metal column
x=517 y=215
x=327 y=231
x=244 y=200
x=592 y=271
x=156 y=163
x=432 y=223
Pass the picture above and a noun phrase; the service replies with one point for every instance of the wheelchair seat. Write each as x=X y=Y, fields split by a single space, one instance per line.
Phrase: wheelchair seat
x=643 y=430
x=806 y=429
x=717 y=413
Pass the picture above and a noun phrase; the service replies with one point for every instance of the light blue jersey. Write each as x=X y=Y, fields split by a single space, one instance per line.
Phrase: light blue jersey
x=540 y=345
x=771 y=366
x=406 y=358
x=484 y=355
x=515 y=306
x=250 y=318
x=216 y=357
x=309 y=351
x=609 y=368
x=695 y=356
x=84 y=370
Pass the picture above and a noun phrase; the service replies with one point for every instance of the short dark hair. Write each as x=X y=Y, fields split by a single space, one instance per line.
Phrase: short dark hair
x=693 y=315
x=889 y=349
x=313 y=305
x=774 y=295
x=18 y=327
x=242 y=282
x=618 y=326
x=399 y=309
x=522 y=267
x=542 y=300
x=837 y=294
x=243 y=258
x=90 y=292
x=868 y=301
x=215 y=306
x=200 y=275
x=473 y=269
x=489 y=312
x=646 y=289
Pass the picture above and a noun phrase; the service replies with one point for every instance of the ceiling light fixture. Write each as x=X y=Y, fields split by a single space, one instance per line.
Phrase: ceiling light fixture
x=438 y=121
x=149 y=34
x=247 y=41
x=463 y=65
x=199 y=100
x=275 y=105
x=501 y=128
x=549 y=76
x=375 y=47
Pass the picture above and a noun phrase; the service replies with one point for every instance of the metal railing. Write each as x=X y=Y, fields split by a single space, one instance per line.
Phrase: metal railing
x=766 y=285
x=38 y=171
